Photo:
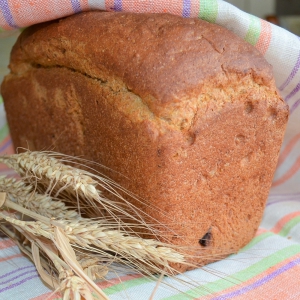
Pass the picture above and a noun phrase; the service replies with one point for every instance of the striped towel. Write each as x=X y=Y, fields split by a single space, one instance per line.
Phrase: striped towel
x=267 y=268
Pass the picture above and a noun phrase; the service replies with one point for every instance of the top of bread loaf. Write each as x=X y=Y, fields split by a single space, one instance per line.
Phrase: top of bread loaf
x=165 y=60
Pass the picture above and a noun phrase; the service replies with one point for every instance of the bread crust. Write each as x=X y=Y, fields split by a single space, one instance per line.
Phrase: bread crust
x=183 y=108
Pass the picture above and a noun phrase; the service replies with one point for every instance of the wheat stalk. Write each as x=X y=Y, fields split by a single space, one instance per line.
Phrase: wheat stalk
x=108 y=239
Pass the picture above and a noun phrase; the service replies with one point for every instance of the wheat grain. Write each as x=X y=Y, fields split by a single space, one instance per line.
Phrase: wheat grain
x=72 y=286
x=92 y=267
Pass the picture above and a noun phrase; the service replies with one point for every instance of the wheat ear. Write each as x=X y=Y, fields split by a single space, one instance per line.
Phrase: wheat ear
x=39 y=165
x=44 y=205
x=86 y=233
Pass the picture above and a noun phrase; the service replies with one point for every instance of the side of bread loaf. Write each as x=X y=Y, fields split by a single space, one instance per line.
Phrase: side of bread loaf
x=183 y=108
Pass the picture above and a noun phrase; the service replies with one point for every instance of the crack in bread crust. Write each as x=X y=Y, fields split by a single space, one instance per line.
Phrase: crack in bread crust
x=180 y=115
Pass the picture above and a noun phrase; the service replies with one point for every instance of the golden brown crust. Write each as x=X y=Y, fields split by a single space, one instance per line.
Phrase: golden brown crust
x=185 y=109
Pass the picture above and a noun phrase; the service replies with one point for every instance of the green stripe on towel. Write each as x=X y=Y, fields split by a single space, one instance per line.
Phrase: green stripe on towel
x=257 y=239
x=208 y=10
x=254 y=30
x=125 y=285
x=3 y=132
x=289 y=225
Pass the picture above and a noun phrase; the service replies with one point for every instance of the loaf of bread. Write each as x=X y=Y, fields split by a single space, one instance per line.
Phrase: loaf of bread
x=186 y=112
